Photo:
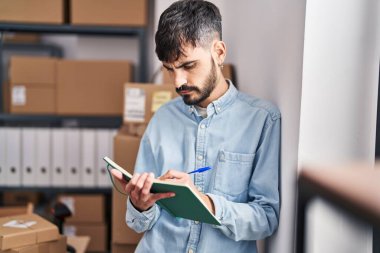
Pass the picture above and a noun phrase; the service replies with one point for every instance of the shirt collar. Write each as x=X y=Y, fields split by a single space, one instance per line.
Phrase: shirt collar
x=219 y=105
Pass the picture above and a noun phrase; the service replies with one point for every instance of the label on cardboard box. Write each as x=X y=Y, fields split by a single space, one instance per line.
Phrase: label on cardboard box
x=19 y=224
x=159 y=98
x=24 y=230
x=134 y=109
x=18 y=95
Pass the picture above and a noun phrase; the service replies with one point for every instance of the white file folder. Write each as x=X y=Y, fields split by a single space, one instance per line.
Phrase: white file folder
x=113 y=133
x=72 y=150
x=13 y=156
x=43 y=150
x=59 y=169
x=2 y=156
x=28 y=152
x=102 y=149
x=88 y=157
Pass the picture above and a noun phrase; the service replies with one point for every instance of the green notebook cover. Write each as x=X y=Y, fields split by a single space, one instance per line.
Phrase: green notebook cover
x=185 y=204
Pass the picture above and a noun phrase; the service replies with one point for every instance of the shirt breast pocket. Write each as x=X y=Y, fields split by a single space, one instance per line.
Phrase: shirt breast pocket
x=233 y=172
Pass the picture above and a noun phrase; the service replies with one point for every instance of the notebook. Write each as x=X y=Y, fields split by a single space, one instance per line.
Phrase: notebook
x=185 y=204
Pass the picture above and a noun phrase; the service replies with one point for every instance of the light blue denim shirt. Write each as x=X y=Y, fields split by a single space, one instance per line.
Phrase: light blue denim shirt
x=240 y=140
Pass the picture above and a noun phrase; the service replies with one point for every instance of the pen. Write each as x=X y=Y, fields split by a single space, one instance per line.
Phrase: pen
x=200 y=170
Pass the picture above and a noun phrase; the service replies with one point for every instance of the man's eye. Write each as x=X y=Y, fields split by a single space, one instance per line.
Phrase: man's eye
x=189 y=66
x=169 y=70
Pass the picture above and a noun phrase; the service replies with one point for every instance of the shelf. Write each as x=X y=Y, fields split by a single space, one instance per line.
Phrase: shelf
x=71 y=29
x=60 y=121
x=56 y=189
x=138 y=32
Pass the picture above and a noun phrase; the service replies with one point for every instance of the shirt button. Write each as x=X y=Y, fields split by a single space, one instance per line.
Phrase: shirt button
x=200 y=158
x=218 y=109
x=191 y=251
x=203 y=126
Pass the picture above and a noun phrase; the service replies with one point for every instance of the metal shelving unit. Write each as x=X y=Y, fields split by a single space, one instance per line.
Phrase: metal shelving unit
x=14 y=120
x=74 y=121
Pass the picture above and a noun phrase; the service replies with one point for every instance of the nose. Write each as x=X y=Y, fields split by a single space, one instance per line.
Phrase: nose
x=179 y=78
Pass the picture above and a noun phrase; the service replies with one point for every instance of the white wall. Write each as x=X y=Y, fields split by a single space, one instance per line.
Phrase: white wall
x=338 y=109
x=265 y=42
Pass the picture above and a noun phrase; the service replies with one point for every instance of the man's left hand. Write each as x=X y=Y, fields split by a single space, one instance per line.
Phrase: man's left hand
x=184 y=178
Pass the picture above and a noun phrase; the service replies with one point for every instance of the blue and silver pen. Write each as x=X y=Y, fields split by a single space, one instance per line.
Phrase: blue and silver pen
x=200 y=170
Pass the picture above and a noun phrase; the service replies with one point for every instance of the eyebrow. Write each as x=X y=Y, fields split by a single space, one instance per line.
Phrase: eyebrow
x=181 y=65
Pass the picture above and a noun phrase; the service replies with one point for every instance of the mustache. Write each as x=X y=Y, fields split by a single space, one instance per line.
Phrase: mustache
x=185 y=87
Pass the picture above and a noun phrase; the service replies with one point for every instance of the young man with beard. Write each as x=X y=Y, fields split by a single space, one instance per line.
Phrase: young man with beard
x=211 y=124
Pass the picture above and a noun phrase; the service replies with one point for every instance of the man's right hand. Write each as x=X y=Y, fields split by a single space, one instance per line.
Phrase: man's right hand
x=138 y=190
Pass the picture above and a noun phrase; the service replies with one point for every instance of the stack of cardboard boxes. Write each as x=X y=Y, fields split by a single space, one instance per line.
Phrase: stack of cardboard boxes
x=42 y=85
x=21 y=231
x=88 y=219
x=76 y=12
x=141 y=101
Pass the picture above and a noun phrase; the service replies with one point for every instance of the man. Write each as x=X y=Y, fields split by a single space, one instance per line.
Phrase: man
x=211 y=124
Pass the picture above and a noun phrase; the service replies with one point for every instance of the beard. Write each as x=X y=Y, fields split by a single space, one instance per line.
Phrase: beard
x=203 y=93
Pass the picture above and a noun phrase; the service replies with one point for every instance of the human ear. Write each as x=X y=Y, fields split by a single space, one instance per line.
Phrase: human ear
x=219 y=52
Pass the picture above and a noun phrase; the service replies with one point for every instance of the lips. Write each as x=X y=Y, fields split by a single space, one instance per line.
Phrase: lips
x=184 y=92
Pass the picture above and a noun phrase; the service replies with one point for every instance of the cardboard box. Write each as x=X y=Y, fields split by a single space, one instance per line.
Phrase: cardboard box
x=58 y=246
x=125 y=152
x=32 y=11
x=91 y=87
x=133 y=129
x=33 y=81
x=6 y=97
x=27 y=249
x=21 y=198
x=38 y=71
x=141 y=101
x=79 y=243
x=32 y=100
x=16 y=210
x=22 y=37
x=227 y=71
x=109 y=12
x=84 y=208
x=123 y=248
x=96 y=231
x=28 y=229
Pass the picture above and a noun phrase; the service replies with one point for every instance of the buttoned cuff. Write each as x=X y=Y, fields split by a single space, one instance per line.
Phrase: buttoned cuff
x=218 y=206
x=133 y=213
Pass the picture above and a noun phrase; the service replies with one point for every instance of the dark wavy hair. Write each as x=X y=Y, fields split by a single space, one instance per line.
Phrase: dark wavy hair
x=186 y=22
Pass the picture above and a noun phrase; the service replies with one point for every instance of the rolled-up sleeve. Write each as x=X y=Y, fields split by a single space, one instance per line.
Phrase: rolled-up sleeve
x=141 y=221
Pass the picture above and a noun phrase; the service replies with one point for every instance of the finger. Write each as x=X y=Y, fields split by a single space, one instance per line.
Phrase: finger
x=134 y=179
x=141 y=181
x=117 y=174
x=148 y=184
x=157 y=196
x=128 y=188
x=170 y=174
x=131 y=185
